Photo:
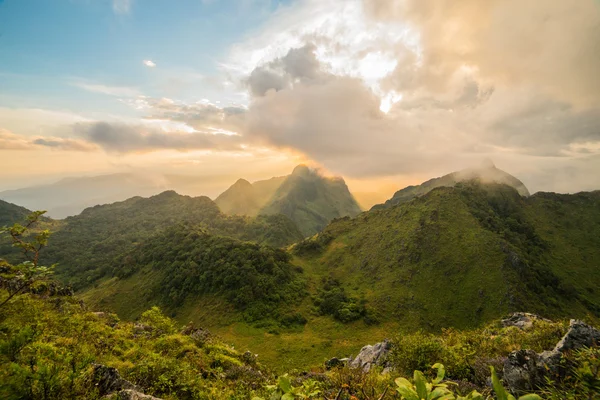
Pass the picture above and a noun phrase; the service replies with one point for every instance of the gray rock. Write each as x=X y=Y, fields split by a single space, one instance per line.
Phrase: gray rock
x=522 y=320
x=108 y=380
x=372 y=355
x=129 y=394
x=525 y=370
x=579 y=335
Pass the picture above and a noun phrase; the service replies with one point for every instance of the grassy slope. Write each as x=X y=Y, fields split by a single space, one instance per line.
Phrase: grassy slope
x=455 y=257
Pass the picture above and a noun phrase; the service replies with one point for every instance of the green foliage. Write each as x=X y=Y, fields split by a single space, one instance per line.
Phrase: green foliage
x=48 y=347
x=581 y=377
x=333 y=300
x=285 y=391
x=436 y=389
x=86 y=246
x=257 y=280
x=311 y=200
x=19 y=278
x=468 y=354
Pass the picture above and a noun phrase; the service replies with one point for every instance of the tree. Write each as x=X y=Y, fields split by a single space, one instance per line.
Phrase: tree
x=17 y=279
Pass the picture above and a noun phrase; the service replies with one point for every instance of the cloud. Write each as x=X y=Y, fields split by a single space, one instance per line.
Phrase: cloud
x=200 y=116
x=118 y=91
x=551 y=44
x=149 y=63
x=12 y=141
x=299 y=65
x=123 y=138
x=122 y=6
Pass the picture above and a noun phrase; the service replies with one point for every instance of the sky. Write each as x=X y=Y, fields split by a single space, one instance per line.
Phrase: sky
x=385 y=93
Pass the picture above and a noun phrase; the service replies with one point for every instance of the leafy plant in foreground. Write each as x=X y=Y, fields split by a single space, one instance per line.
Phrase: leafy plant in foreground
x=436 y=389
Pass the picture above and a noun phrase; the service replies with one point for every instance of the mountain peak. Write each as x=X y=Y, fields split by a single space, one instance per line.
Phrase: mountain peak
x=301 y=170
x=242 y=183
x=487 y=163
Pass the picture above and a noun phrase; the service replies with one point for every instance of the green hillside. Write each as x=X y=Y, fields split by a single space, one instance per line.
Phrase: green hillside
x=311 y=200
x=11 y=213
x=245 y=198
x=86 y=246
x=306 y=197
x=486 y=173
x=455 y=257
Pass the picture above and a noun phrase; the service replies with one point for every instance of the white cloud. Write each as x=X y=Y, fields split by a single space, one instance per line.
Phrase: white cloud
x=119 y=91
x=122 y=6
x=149 y=63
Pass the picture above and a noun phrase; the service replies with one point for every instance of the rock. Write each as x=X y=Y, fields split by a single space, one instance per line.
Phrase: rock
x=372 y=355
x=129 y=394
x=579 y=335
x=522 y=320
x=525 y=370
x=108 y=380
x=336 y=363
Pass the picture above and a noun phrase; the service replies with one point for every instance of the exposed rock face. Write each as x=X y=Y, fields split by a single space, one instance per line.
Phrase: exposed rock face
x=522 y=320
x=108 y=380
x=372 y=355
x=579 y=335
x=525 y=370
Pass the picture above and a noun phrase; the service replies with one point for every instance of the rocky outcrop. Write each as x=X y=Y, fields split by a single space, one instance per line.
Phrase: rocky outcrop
x=525 y=370
x=370 y=356
x=109 y=383
x=522 y=320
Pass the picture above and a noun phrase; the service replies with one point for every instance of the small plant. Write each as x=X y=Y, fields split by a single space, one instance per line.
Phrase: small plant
x=436 y=389
x=285 y=391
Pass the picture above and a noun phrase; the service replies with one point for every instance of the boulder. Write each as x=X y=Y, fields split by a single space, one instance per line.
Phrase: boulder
x=522 y=320
x=579 y=335
x=525 y=370
x=108 y=380
x=372 y=355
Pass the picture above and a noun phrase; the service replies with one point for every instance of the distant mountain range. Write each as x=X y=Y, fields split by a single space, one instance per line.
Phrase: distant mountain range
x=70 y=196
x=306 y=197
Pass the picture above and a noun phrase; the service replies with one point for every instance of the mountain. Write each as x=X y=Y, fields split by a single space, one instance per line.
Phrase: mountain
x=462 y=255
x=455 y=257
x=70 y=196
x=306 y=197
x=86 y=246
x=245 y=198
x=11 y=213
x=486 y=173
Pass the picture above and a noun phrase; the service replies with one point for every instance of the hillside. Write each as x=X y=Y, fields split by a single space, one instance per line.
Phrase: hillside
x=245 y=198
x=485 y=173
x=483 y=250
x=11 y=213
x=85 y=246
x=455 y=257
x=306 y=197
x=311 y=200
